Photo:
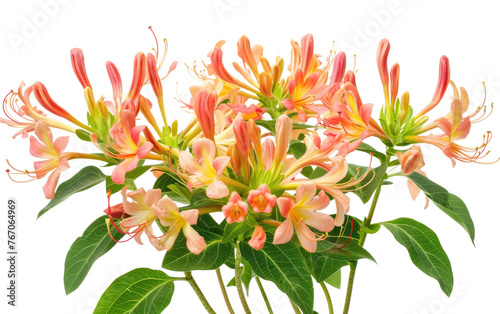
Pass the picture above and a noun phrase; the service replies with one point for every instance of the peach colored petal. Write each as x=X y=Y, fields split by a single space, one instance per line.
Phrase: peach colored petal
x=217 y=189
x=284 y=232
x=194 y=242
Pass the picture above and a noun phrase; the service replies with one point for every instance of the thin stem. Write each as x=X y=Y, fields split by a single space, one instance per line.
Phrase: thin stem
x=328 y=297
x=224 y=292
x=197 y=290
x=237 y=279
x=295 y=308
x=361 y=242
x=349 y=287
x=264 y=295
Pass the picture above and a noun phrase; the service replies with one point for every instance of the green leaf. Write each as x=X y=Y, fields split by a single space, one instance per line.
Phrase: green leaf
x=94 y=243
x=335 y=280
x=284 y=265
x=83 y=180
x=297 y=148
x=179 y=258
x=340 y=248
x=141 y=290
x=449 y=203
x=425 y=250
x=231 y=231
x=129 y=180
x=363 y=147
x=163 y=182
x=268 y=124
x=369 y=184
x=83 y=135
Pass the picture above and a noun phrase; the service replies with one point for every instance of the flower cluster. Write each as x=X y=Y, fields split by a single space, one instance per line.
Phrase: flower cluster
x=267 y=144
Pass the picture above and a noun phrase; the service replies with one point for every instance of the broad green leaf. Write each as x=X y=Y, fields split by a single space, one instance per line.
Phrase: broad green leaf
x=94 y=243
x=323 y=265
x=425 y=250
x=181 y=191
x=139 y=291
x=449 y=203
x=335 y=280
x=284 y=265
x=83 y=180
x=366 y=188
x=208 y=223
x=129 y=180
x=179 y=258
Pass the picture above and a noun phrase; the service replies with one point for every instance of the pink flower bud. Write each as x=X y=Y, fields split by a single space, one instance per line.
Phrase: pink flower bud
x=139 y=75
x=258 y=238
x=78 y=63
x=394 y=83
x=339 y=64
x=411 y=160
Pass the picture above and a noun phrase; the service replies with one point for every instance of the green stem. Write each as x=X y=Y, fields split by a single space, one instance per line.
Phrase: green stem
x=328 y=297
x=295 y=308
x=264 y=295
x=237 y=279
x=224 y=292
x=197 y=290
x=361 y=242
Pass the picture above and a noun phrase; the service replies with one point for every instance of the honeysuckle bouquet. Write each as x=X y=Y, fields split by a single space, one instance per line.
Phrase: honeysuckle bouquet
x=267 y=147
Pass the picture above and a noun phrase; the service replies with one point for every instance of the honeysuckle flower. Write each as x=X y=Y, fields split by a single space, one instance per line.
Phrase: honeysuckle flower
x=317 y=152
x=45 y=147
x=236 y=209
x=260 y=83
x=78 y=63
x=258 y=238
x=25 y=116
x=125 y=137
x=116 y=84
x=302 y=213
x=283 y=136
x=205 y=169
x=455 y=127
x=329 y=183
x=382 y=54
x=442 y=85
x=261 y=200
x=307 y=83
x=411 y=160
x=177 y=221
x=339 y=65
x=251 y=112
x=349 y=117
x=204 y=108
x=141 y=212
x=43 y=97
x=268 y=151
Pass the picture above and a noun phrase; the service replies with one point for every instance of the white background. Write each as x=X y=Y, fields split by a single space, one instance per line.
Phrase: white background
x=419 y=31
